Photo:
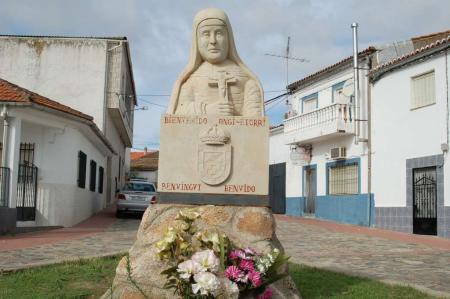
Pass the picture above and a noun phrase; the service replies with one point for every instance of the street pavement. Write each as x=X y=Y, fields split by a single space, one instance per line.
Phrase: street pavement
x=420 y=261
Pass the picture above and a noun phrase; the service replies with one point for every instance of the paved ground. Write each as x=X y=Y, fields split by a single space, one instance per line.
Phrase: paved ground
x=421 y=261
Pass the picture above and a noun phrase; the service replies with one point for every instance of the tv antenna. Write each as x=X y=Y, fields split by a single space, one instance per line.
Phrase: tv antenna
x=288 y=58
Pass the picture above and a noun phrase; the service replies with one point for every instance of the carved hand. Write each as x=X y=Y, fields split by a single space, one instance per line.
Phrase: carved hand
x=220 y=108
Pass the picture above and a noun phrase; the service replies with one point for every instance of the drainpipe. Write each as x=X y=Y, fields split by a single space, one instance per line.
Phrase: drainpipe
x=4 y=116
x=356 y=79
x=369 y=150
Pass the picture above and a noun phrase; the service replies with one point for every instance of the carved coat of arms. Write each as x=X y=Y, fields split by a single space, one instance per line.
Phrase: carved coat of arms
x=214 y=156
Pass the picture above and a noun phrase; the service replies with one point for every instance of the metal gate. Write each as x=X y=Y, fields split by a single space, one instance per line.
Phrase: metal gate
x=277 y=187
x=310 y=190
x=26 y=184
x=424 y=201
x=26 y=193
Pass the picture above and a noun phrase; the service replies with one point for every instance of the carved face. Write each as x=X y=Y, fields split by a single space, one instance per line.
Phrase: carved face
x=212 y=41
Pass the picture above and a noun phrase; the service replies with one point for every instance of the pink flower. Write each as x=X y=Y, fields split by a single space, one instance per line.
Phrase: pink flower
x=235 y=254
x=233 y=272
x=247 y=265
x=268 y=292
x=255 y=278
x=250 y=251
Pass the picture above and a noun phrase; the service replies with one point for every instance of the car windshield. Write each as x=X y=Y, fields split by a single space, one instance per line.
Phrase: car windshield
x=139 y=187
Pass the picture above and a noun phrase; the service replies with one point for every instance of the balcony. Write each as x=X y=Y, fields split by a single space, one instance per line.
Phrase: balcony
x=121 y=117
x=323 y=123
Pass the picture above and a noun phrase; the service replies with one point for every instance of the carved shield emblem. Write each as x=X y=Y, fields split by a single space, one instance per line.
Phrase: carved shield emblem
x=214 y=156
x=214 y=163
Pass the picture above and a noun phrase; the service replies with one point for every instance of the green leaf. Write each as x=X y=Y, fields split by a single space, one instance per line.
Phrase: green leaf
x=169 y=271
x=222 y=252
x=279 y=261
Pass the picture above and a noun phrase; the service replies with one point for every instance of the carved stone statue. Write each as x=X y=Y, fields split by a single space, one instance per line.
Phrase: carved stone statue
x=215 y=81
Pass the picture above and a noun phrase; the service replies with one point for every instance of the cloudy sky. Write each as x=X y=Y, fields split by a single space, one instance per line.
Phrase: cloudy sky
x=159 y=33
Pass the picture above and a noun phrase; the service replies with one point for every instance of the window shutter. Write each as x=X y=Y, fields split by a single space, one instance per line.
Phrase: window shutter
x=423 y=91
x=81 y=181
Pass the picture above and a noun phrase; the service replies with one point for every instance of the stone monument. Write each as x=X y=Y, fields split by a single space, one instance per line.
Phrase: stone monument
x=213 y=155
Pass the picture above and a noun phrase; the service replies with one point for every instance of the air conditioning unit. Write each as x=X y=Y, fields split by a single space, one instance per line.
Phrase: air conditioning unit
x=338 y=153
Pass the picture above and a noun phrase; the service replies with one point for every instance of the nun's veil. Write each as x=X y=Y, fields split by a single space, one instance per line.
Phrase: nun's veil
x=195 y=60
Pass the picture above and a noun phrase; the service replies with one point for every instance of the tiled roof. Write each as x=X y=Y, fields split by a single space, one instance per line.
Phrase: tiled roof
x=376 y=72
x=329 y=68
x=148 y=162
x=421 y=41
x=12 y=93
x=136 y=155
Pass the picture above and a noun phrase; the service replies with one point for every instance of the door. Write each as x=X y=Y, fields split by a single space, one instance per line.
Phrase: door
x=26 y=184
x=277 y=187
x=424 y=201
x=310 y=191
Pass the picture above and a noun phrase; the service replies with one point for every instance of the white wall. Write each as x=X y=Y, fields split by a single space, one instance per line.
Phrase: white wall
x=320 y=156
x=70 y=71
x=151 y=176
x=57 y=141
x=278 y=151
x=399 y=133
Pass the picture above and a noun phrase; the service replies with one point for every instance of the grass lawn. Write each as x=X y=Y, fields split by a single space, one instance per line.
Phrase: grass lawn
x=91 y=278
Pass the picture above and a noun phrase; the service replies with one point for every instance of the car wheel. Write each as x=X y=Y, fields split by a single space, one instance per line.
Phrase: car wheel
x=119 y=214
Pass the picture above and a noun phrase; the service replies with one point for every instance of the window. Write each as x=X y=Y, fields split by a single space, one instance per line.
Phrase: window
x=144 y=187
x=100 y=179
x=309 y=103
x=422 y=90
x=343 y=178
x=336 y=96
x=92 y=177
x=81 y=169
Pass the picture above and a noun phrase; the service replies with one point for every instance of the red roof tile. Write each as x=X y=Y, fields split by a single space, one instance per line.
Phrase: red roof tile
x=147 y=162
x=315 y=75
x=10 y=92
x=380 y=69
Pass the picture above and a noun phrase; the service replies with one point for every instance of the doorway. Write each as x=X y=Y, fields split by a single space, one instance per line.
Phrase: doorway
x=277 y=187
x=310 y=189
x=424 y=201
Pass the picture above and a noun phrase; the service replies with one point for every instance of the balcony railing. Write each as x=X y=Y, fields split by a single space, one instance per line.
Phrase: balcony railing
x=333 y=119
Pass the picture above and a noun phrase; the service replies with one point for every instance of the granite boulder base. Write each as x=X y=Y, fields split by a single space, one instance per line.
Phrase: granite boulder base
x=245 y=226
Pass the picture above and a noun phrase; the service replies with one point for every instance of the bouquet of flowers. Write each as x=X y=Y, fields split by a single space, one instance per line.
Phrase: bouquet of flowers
x=205 y=264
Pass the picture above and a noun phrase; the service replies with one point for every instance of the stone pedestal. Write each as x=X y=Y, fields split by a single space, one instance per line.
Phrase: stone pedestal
x=245 y=226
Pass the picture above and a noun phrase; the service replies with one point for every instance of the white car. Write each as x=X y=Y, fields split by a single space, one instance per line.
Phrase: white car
x=136 y=196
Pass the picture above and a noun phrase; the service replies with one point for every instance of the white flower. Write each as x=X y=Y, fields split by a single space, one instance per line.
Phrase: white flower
x=229 y=288
x=207 y=259
x=190 y=214
x=170 y=235
x=206 y=283
x=208 y=236
x=189 y=268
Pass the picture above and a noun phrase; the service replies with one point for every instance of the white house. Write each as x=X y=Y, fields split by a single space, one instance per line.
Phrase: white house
x=145 y=165
x=381 y=162
x=410 y=140
x=327 y=136
x=54 y=161
x=91 y=74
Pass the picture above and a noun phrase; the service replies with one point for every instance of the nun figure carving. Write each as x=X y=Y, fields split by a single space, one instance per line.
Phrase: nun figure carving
x=215 y=81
